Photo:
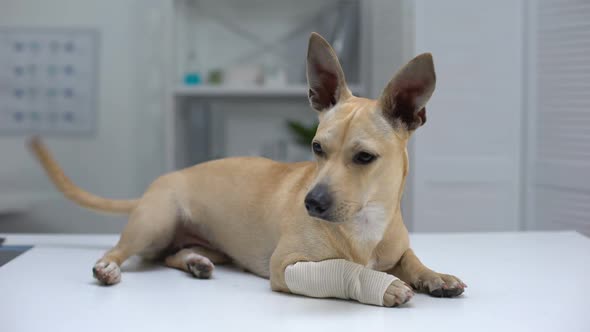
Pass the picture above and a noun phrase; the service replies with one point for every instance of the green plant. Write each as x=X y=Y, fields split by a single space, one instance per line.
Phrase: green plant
x=302 y=134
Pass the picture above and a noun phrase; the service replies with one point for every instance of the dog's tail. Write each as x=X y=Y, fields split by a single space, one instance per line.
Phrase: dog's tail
x=73 y=192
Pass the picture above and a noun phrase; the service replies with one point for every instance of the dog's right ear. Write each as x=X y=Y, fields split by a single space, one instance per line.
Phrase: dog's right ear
x=325 y=77
x=404 y=99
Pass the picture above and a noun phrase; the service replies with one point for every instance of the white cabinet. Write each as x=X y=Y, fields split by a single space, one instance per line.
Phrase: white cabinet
x=558 y=113
x=466 y=171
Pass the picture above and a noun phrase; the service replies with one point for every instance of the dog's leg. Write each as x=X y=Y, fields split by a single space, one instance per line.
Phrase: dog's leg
x=150 y=229
x=339 y=278
x=197 y=261
x=413 y=272
x=295 y=273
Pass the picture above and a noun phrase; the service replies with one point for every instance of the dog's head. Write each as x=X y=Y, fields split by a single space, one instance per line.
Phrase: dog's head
x=360 y=144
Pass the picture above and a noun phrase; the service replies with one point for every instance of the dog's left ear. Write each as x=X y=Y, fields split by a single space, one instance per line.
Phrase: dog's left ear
x=404 y=98
x=325 y=78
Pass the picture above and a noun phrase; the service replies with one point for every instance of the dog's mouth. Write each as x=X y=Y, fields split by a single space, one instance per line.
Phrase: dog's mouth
x=327 y=219
x=336 y=214
x=361 y=214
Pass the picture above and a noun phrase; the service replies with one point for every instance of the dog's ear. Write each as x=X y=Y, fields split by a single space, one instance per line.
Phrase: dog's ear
x=325 y=77
x=404 y=98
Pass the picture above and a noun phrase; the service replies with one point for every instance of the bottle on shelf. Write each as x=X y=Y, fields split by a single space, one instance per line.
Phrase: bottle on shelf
x=192 y=74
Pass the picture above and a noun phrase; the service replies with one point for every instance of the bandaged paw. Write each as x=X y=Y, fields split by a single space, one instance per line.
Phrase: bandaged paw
x=338 y=278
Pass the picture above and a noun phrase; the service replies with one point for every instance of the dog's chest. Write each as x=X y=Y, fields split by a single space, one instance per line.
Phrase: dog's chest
x=369 y=226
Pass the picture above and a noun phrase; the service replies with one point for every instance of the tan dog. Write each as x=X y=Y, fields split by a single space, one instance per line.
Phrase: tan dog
x=265 y=216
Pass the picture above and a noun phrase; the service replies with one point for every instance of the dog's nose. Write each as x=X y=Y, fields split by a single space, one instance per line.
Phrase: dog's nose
x=318 y=201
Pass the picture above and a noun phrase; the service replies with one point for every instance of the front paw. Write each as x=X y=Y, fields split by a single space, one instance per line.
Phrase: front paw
x=107 y=273
x=397 y=293
x=440 y=285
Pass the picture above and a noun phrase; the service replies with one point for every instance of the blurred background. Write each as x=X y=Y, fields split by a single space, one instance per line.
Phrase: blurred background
x=125 y=90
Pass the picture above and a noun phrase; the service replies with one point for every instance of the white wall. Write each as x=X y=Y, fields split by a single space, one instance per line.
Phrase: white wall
x=468 y=155
x=114 y=162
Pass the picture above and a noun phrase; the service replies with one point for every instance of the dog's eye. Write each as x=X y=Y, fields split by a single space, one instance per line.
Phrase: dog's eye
x=317 y=148
x=363 y=158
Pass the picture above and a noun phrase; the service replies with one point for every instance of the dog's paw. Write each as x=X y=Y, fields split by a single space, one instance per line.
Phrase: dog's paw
x=397 y=293
x=107 y=273
x=440 y=285
x=199 y=266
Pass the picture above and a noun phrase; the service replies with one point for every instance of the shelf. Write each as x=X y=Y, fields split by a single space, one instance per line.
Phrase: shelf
x=209 y=91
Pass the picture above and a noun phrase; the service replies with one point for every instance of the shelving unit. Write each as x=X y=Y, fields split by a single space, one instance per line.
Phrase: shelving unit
x=201 y=119
x=240 y=91
x=207 y=91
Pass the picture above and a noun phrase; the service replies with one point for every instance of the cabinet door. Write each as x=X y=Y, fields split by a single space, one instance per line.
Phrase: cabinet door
x=466 y=159
x=559 y=115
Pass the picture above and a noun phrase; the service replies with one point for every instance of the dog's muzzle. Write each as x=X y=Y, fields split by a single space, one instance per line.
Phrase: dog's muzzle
x=318 y=202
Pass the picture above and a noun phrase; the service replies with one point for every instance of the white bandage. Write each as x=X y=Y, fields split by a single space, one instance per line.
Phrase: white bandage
x=338 y=278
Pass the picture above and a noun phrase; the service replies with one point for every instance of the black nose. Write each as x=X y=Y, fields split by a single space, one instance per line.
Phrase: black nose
x=318 y=201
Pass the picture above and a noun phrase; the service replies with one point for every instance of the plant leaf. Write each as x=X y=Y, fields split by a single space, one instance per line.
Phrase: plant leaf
x=302 y=134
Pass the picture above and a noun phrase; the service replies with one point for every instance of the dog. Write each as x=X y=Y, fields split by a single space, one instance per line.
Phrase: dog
x=265 y=216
